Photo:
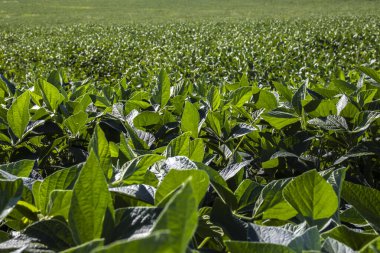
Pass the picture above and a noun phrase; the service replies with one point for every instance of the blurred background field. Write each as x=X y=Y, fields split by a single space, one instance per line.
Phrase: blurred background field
x=52 y=12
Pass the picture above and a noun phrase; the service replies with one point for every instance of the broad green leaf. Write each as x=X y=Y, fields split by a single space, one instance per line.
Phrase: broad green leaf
x=372 y=247
x=157 y=242
x=21 y=168
x=318 y=199
x=219 y=185
x=240 y=96
x=371 y=73
x=366 y=201
x=137 y=142
x=183 y=146
x=321 y=108
x=162 y=92
x=247 y=193
x=284 y=91
x=61 y=180
x=138 y=220
x=213 y=98
x=279 y=120
x=266 y=100
x=343 y=86
x=51 y=95
x=59 y=203
x=221 y=215
x=309 y=240
x=179 y=217
x=89 y=202
x=269 y=234
x=332 y=246
x=190 y=119
x=86 y=247
x=100 y=146
x=53 y=233
x=145 y=119
x=76 y=122
x=18 y=114
x=249 y=247
x=213 y=122
x=125 y=150
x=197 y=150
x=10 y=194
x=271 y=203
x=367 y=96
x=349 y=237
x=136 y=168
x=179 y=146
x=200 y=183
x=140 y=192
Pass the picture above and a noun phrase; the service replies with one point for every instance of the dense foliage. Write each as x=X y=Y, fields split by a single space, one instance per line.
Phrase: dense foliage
x=286 y=51
x=244 y=139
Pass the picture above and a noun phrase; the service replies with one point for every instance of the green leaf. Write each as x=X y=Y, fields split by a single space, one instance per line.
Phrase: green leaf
x=200 y=183
x=138 y=220
x=53 y=233
x=271 y=203
x=89 y=202
x=86 y=247
x=240 y=96
x=297 y=99
x=266 y=100
x=60 y=180
x=249 y=247
x=284 y=91
x=366 y=200
x=371 y=73
x=76 y=122
x=222 y=216
x=137 y=142
x=279 y=120
x=179 y=146
x=269 y=234
x=10 y=194
x=247 y=193
x=145 y=119
x=100 y=146
x=51 y=95
x=161 y=94
x=197 y=150
x=318 y=199
x=179 y=217
x=59 y=203
x=213 y=98
x=190 y=119
x=220 y=185
x=349 y=237
x=332 y=246
x=21 y=168
x=157 y=242
x=137 y=167
x=372 y=247
x=309 y=240
x=343 y=86
x=18 y=114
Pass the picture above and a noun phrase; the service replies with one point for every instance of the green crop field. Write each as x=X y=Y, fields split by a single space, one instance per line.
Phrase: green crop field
x=190 y=126
x=48 y=12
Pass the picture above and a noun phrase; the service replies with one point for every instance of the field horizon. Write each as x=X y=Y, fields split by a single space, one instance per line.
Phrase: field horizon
x=53 y=12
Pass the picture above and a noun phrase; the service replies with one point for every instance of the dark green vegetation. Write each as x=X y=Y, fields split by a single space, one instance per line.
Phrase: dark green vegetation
x=190 y=137
x=48 y=12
